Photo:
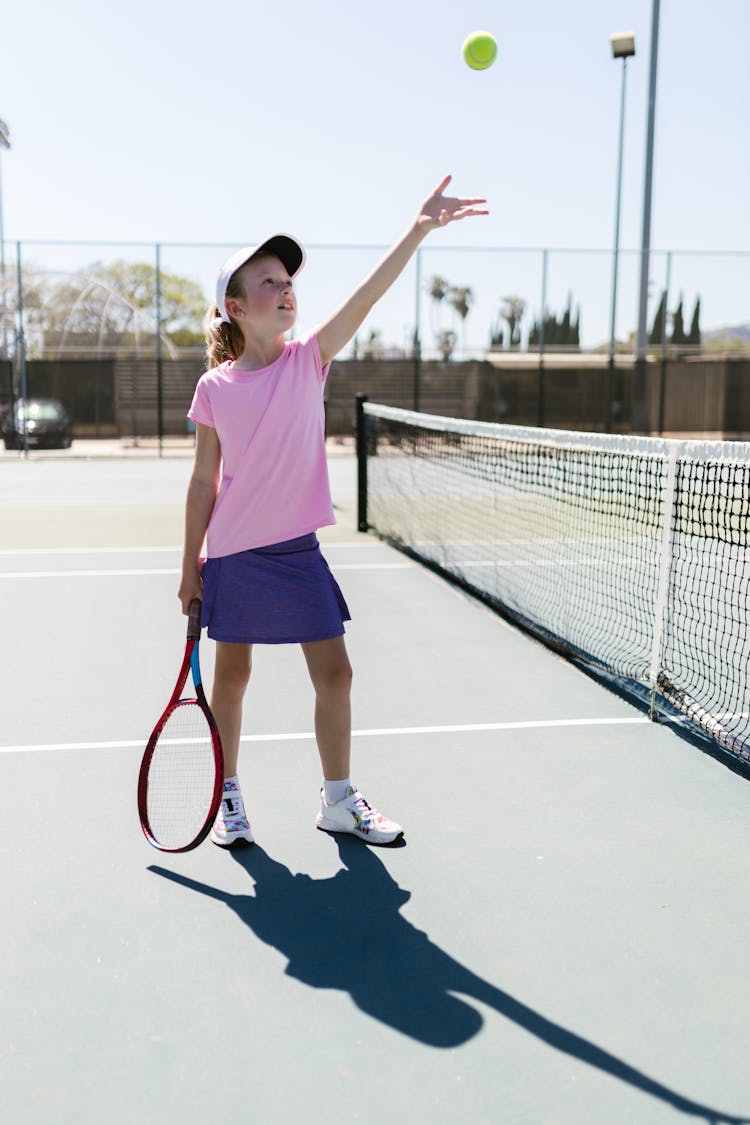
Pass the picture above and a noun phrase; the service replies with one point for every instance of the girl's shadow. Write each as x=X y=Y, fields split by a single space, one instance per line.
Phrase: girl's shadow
x=347 y=933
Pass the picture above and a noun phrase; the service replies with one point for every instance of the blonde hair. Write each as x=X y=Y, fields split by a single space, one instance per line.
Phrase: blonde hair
x=224 y=341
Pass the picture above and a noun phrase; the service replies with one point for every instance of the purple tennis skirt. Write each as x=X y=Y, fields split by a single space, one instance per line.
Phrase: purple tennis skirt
x=280 y=594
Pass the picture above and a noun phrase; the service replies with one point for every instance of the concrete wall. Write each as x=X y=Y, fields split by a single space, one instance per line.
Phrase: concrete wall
x=440 y=388
x=689 y=396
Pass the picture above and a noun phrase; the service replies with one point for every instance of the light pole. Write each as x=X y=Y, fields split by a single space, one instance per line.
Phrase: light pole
x=4 y=144
x=623 y=47
x=640 y=411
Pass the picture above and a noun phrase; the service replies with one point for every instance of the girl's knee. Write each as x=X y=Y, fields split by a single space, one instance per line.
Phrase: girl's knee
x=332 y=676
x=233 y=667
x=337 y=677
x=328 y=665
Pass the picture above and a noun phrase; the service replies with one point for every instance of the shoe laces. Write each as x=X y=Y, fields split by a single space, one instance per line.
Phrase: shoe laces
x=363 y=810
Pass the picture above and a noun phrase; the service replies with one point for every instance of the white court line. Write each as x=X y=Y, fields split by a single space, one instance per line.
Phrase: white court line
x=489 y=563
x=136 y=572
x=86 y=573
x=375 y=566
x=375 y=732
x=22 y=551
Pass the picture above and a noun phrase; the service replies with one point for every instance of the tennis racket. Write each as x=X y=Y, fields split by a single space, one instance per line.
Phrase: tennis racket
x=181 y=780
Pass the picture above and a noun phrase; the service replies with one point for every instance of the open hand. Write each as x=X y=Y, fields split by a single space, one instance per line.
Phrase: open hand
x=439 y=209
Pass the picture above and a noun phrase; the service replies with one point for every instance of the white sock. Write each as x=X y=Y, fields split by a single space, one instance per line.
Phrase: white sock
x=232 y=783
x=336 y=791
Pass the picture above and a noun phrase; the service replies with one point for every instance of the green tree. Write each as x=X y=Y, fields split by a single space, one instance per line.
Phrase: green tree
x=657 y=333
x=694 y=335
x=569 y=335
x=562 y=333
x=678 y=326
x=565 y=325
x=575 y=333
x=373 y=345
x=114 y=306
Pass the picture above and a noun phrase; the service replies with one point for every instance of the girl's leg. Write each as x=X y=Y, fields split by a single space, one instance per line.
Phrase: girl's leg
x=231 y=676
x=331 y=675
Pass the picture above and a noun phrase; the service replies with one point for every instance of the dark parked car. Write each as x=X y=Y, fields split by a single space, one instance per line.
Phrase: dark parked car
x=45 y=421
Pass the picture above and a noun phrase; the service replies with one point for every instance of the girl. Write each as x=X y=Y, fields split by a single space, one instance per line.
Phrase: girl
x=258 y=493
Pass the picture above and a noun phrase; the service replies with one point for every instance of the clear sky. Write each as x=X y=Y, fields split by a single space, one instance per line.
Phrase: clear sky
x=207 y=122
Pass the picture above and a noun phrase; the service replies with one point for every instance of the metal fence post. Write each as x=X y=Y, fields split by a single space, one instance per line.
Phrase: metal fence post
x=542 y=328
x=159 y=363
x=417 y=334
x=663 y=342
x=639 y=411
x=21 y=350
x=361 y=436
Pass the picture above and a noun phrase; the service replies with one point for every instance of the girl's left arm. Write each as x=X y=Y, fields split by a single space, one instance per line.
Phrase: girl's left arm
x=436 y=211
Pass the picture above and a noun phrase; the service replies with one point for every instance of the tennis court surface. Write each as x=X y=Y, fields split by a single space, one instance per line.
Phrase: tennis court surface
x=562 y=939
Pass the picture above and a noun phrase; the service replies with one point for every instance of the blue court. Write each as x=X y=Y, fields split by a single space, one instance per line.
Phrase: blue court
x=561 y=939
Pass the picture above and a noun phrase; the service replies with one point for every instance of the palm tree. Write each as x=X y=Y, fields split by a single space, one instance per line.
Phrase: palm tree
x=437 y=288
x=461 y=299
x=512 y=311
x=446 y=342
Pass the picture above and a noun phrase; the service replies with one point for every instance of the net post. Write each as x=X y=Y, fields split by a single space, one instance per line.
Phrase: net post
x=360 y=428
x=661 y=608
x=540 y=394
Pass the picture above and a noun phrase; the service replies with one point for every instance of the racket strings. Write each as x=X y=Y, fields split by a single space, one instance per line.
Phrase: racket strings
x=182 y=777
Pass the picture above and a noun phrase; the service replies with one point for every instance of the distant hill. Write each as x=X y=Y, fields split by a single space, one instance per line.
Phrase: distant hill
x=731 y=332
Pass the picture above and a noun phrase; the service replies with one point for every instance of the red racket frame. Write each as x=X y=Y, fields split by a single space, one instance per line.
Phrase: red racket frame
x=190 y=662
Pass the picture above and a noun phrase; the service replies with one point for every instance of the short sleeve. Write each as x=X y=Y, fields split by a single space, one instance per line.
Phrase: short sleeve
x=200 y=408
x=311 y=344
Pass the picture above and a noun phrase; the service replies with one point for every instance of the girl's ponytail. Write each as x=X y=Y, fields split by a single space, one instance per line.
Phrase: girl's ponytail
x=223 y=341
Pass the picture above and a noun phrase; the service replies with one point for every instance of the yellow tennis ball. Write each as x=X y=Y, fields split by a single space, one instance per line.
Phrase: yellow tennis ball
x=480 y=50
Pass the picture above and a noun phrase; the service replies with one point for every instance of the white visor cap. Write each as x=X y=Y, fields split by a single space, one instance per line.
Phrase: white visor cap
x=290 y=252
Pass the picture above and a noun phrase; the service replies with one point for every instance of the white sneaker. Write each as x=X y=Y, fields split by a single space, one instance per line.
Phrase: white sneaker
x=355 y=816
x=231 y=825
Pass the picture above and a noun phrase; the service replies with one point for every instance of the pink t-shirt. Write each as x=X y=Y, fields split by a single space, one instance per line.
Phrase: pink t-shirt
x=270 y=424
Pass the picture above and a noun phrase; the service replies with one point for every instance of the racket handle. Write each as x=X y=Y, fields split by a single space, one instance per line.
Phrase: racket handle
x=194 y=620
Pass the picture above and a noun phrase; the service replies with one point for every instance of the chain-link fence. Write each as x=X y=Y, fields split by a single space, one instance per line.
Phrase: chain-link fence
x=114 y=331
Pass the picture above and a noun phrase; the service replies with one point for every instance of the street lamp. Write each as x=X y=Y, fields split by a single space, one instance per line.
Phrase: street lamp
x=4 y=143
x=623 y=47
x=640 y=406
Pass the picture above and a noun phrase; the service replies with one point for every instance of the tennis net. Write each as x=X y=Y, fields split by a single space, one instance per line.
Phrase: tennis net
x=627 y=554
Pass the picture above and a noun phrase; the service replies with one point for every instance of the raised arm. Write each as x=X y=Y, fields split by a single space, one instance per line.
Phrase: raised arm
x=437 y=211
